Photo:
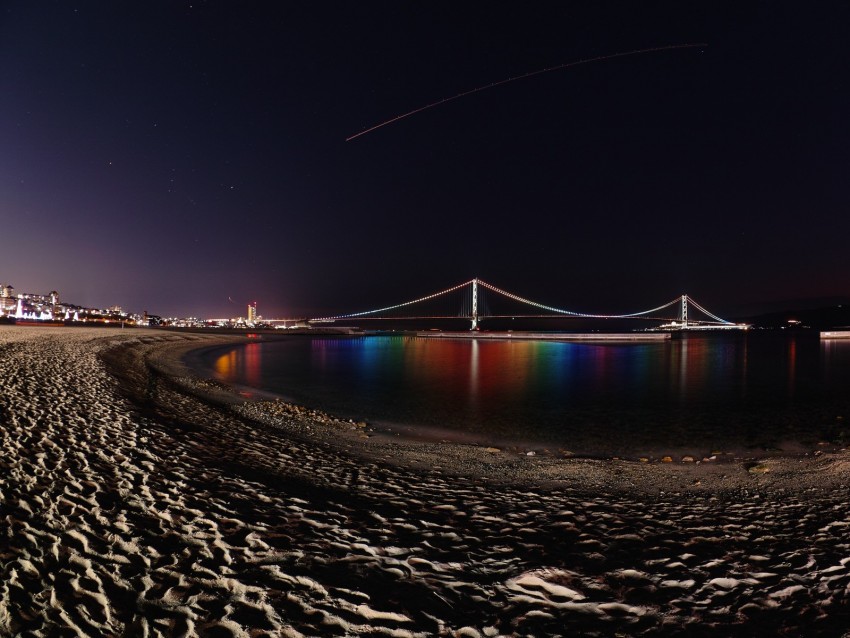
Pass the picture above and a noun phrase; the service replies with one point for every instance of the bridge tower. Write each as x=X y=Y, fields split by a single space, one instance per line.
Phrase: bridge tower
x=474 y=304
x=685 y=311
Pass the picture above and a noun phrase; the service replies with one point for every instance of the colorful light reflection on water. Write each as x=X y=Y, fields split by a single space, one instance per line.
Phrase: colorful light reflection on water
x=748 y=390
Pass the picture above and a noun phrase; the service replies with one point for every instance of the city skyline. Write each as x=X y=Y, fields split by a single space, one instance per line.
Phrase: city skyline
x=189 y=160
x=35 y=308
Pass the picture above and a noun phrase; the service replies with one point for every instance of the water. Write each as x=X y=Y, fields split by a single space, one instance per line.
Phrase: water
x=754 y=390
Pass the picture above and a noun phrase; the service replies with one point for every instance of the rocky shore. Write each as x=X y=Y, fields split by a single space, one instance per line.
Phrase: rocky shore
x=137 y=499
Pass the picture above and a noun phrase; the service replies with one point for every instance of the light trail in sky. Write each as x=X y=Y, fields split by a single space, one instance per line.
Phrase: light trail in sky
x=601 y=58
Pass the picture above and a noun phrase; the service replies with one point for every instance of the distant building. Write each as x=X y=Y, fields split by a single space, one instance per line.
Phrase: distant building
x=252 y=312
x=7 y=299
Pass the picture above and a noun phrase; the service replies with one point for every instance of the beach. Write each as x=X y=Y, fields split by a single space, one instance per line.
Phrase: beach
x=140 y=500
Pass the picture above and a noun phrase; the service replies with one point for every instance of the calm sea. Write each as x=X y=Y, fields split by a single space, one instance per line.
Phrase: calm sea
x=761 y=390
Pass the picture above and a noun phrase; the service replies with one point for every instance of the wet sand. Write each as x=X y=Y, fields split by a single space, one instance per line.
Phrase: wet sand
x=139 y=500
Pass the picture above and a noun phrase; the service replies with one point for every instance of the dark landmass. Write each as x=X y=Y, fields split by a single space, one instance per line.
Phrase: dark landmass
x=801 y=318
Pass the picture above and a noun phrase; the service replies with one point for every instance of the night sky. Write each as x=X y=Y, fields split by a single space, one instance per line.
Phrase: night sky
x=187 y=158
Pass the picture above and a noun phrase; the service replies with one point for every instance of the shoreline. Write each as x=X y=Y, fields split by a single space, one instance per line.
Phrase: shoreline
x=821 y=467
x=143 y=501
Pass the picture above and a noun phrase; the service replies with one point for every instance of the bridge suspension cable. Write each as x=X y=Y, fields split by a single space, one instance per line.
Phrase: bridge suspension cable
x=472 y=308
x=570 y=312
x=706 y=312
x=397 y=306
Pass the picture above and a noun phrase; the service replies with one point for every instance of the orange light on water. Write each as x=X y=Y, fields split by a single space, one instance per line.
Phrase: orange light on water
x=225 y=365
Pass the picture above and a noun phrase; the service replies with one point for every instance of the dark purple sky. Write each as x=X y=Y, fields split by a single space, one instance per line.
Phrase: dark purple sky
x=170 y=156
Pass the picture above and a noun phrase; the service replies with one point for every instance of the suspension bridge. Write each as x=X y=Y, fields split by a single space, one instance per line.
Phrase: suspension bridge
x=476 y=300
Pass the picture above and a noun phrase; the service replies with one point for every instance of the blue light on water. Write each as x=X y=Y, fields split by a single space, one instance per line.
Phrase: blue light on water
x=707 y=389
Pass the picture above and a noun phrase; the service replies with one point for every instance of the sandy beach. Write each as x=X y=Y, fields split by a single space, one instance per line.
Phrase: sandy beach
x=139 y=500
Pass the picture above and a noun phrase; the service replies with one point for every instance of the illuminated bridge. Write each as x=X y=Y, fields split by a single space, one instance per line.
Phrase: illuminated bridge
x=477 y=300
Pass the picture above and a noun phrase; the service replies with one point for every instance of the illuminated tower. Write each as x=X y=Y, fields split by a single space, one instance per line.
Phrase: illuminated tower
x=474 y=304
x=252 y=312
